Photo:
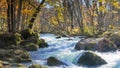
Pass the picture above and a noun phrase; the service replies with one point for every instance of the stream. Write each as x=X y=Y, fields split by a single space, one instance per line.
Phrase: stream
x=63 y=48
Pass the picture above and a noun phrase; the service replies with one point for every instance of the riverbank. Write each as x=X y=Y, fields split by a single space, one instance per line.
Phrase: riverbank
x=15 y=47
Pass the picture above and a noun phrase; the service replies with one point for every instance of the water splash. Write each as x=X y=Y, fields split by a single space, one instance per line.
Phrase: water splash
x=63 y=48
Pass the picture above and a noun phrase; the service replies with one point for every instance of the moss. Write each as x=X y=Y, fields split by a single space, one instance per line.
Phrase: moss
x=30 y=44
x=106 y=34
x=37 y=66
x=90 y=46
x=20 y=59
x=28 y=33
x=90 y=59
x=115 y=38
x=9 y=39
x=31 y=47
x=42 y=43
x=14 y=55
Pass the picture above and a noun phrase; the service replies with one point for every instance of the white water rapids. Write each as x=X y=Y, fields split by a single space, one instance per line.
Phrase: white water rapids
x=63 y=48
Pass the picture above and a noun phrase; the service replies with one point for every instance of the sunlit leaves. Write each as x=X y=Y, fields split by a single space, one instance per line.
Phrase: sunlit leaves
x=116 y=4
x=101 y=0
x=103 y=9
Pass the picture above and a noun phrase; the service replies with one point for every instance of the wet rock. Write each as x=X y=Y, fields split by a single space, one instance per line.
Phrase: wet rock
x=37 y=66
x=52 y=61
x=90 y=59
x=64 y=35
x=97 y=44
x=115 y=38
x=85 y=46
x=42 y=43
x=104 y=45
x=31 y=47
x=33 y=44
x=58 y=37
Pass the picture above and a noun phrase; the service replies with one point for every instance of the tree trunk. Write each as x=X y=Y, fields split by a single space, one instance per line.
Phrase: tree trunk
x=11 y=15
x=19 y=15
x=31 y=22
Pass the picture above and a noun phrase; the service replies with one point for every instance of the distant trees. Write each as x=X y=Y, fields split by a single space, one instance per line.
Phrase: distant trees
x=84 y=16
x=60 y=16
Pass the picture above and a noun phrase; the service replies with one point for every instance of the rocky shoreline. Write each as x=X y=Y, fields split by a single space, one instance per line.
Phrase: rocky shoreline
x=15 y=47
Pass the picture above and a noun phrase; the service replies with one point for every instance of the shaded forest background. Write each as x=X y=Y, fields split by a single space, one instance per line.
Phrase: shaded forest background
x=73 y=17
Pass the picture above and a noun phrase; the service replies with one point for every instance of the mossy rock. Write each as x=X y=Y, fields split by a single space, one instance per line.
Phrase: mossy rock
x=90 y=46
x=19 y=60
x=42 y=43
x=16 y=55
x=90 y=59
x=31 y=47
x=30 y=44
x=33 y=40
x=9 y=39
x=11 y=65
x=101 y=45
x=105 y=45
x=53 y=61
x=37 y=66
x=21 y=56
x=115 y=38
x=27 y=33
x=85 y=46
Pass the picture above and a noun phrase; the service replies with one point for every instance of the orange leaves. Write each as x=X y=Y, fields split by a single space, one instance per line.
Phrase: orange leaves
x=26 y=11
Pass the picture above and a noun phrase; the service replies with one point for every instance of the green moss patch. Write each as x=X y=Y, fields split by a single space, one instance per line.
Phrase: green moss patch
x=9 y=39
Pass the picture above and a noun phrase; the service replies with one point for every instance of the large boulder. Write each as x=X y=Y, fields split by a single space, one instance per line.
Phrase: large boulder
x=31 y=41
x=9 y=39
x=115 y=38
x=104 y=45
x=90 y=59
x=85 y=46
x=98 y=44
x=33 y=44
x=29 y=46
x=52 y=61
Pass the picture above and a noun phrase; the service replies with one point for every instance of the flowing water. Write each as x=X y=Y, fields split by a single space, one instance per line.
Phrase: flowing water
x=63 y=48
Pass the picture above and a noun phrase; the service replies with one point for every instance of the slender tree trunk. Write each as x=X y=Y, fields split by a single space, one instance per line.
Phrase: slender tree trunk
x=13 y=15
x=9 y=15
x=19 y=14
x=31 y=22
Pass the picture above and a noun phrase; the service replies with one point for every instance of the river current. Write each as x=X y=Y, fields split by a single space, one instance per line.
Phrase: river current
x=63 y=48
